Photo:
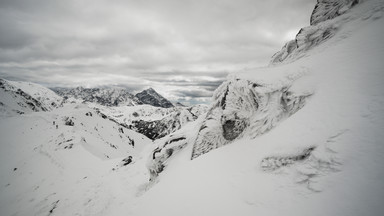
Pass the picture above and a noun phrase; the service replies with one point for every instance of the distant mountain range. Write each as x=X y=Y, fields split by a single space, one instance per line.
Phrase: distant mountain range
x=147 y=112
x=114 y=96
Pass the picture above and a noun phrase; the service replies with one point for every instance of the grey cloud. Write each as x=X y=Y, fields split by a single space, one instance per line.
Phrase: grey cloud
x=184 y=46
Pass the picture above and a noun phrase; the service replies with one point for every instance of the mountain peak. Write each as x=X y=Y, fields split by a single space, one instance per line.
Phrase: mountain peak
x=151 y=97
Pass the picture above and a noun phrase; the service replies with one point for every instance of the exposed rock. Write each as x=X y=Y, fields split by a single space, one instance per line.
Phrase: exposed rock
x=321 y=29
x=174 y=121
x=242 y=106
x=151 y=97
x=162 y=152
x=329 y=9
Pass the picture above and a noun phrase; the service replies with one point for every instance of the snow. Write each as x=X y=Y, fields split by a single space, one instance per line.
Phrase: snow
x=326 y=158
x=343 y=121
x=42 y=94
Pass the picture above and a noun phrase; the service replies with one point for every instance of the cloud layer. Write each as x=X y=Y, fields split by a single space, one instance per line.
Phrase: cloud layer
x=182 y=48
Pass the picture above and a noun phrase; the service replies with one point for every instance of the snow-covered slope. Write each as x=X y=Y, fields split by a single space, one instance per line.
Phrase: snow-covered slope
x=102 y=96
x=44 y=95
x=325 y=23
x=326 y=158
x=58 y=159
x=24 y=97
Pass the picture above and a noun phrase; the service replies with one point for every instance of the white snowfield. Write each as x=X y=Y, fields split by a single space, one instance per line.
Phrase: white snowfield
x=326 y=158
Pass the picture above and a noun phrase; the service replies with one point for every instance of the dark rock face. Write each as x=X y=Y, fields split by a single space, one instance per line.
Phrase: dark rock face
x=151 y=97
x=151 y=129
x=233 y=128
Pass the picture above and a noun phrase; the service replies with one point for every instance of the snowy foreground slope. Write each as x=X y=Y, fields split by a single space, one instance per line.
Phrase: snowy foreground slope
x=44 y=167
x=326 y=158
x=321 y=151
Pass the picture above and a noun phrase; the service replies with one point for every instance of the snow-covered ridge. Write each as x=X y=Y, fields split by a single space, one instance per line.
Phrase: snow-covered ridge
x=102 y=96
x=114 y=96
x=329 y=9
x=325 y=22
x=24 y=97
x=46 y=96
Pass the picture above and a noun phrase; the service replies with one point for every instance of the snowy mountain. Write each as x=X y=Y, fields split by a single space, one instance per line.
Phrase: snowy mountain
x=302 y=136
x=151 y=97
x=114 y=96
x=102 y=96
x=298 y=138
x=24 y=97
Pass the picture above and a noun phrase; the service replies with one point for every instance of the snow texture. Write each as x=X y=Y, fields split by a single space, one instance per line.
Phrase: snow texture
x=249 y=107
x=321 y=29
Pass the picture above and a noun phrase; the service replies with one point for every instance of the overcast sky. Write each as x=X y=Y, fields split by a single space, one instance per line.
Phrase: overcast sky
x=182 y=48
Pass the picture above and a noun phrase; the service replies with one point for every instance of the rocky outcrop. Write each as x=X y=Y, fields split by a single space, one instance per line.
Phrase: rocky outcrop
x=245 y=107
x=168 y=147
x=329 y=9
x=321 y=29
